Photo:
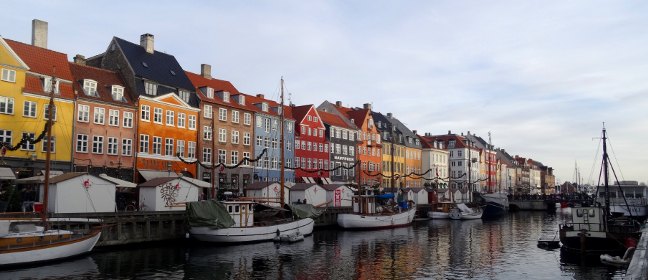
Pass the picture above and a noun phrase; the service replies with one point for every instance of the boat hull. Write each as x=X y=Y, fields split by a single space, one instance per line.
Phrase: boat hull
x=438 y=215
x=494 y=210
x=252 y=234
x=74 y=246
x=359 y=221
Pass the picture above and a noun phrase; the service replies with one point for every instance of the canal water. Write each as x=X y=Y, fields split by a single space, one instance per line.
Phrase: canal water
x=435 y=249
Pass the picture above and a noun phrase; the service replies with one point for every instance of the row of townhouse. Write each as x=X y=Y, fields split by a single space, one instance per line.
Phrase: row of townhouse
x=132 y=111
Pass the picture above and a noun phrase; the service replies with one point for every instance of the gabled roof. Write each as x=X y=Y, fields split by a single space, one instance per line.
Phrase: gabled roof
x=302 y=186
x=157 y=181
x=105 y=80
x=272 y=105
x=65 y=177
x=300 y=112
x=13 y=54
x=399 y=127
x=333 y=120
x=218 y=85
x=159 y=67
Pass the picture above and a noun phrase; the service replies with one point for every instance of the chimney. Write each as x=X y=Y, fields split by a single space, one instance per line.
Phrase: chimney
x=367 y=106
x=414 y=131
x=205 y=71
x=389 y=115
x=260 y=96
x=449 y=132
x=39 y=33
x=79 y=59
x=146 y=41
x=468 y=132
x=338 y=103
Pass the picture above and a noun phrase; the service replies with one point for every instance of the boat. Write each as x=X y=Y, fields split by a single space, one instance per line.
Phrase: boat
x=628 y=199
x=441 y=210
x=242 y=220
x=374 y=212
x=549 y=240
x=25 y=241
x=463 y=212
x=593 y=230
x=616 y=260
x=495 y=204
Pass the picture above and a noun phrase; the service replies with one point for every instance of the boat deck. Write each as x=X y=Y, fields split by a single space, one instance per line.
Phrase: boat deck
x=549 y=240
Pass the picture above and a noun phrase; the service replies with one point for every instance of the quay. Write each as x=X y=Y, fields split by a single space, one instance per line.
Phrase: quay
x=134 y=227
x=638 y=268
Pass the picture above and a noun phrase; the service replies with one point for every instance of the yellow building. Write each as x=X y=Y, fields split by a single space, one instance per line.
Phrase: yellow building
x=24 y=100
x=399 y=165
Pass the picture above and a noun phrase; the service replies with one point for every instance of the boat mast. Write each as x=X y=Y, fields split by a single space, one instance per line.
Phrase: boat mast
x=213 y=160
x=605 y=174
x=490 y=161
x=281 y=143
x=48 y=152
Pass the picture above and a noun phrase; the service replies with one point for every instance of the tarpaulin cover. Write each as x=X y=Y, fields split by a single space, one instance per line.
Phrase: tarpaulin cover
x=208 y=213
x=305 y=210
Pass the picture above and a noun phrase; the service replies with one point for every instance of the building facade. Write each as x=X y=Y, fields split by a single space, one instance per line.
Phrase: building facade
x=313 y=151
x=342 y=144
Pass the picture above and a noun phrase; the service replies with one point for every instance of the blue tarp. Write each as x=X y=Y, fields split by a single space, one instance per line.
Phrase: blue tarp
x=385 y=196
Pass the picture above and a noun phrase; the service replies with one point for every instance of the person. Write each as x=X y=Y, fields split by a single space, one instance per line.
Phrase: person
x=299 y=201
x=304 y=202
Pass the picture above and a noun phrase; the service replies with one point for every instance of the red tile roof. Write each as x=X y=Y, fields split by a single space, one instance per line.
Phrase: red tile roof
x=218 y=85
x=300 y=112
x=333 y=119
x=105 y=80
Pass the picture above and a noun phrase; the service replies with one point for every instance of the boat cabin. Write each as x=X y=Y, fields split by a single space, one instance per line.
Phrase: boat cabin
x=242 y=212
x=588 y=218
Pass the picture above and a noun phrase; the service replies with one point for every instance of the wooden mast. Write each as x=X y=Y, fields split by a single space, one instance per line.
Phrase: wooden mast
x=281 y=144
x=213 y=159
x=48 y=152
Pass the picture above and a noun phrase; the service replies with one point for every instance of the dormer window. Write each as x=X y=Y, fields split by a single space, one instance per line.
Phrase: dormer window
x=150 y=88
x=47 y=85
x=118 y=93
x=225 y=95
x=210 y=93
x=264 y=106
x=241 y=99
x=184 y=95
x=90 y=87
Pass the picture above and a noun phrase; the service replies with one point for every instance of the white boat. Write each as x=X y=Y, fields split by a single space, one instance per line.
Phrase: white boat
x=463 y=212
x=616 y=260
x=441 y=210
x=25 y=242
x=289 y=238
x=368 y=215
x=244 y=228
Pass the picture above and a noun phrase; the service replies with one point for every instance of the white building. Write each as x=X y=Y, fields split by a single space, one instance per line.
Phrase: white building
x=79 y=192
x=267 y=193
x=419 y=195
x=338 y=195
x=308 y=192
x=169 y=193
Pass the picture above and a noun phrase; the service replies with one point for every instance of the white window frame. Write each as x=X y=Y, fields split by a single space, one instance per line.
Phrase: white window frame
x=182 y=119
x=157 y=145
x=235 y=116
x=157 y=115
x=99 y=115
x=170 y=118
x=90 y=87
x=6 y=105
x=192 y=122
x=82 y=143
x=46 y=112
x=128 y=119
x=168 y=146
x=222 y=114
x=235 y=136
x=83 y=113
x=145 y=113
x=247 y=118
x=97 y=144
x=113 y=117
x=144 y=143
x=113 y=146
x=208 y=112
x=8 y=75
x=127 y=146
x=29 y=107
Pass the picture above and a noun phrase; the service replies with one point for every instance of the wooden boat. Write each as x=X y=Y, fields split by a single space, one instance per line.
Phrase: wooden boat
x=549 y=240
x=463 y=212
x=237 y=224
x=593 y=230
x=25 y=242
x=367 y=214
x=441 y=210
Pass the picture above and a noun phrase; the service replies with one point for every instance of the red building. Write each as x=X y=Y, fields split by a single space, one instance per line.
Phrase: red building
x=311 y=146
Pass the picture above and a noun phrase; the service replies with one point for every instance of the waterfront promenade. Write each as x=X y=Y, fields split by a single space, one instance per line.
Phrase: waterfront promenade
x=638 y=268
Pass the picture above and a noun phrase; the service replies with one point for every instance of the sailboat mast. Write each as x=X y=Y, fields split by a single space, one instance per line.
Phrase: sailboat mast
x=48 y=152
x=213 y=161
x=605 y=174
x=281 y=144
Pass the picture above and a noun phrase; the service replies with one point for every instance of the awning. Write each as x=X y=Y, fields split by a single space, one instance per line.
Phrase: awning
x=52 y=172
x=7 y=174
x=32 y=180
x=152 y=174
x=197 y=182
x=118 y=182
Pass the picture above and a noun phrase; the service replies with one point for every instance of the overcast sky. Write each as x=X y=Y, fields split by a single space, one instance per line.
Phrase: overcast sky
x=541 y=76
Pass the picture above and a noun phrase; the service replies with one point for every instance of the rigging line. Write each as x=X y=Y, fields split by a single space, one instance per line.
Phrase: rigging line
x=596 y=155
x=615 y=158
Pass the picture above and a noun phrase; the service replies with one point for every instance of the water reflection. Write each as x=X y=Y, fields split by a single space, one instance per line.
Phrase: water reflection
x=80 y=268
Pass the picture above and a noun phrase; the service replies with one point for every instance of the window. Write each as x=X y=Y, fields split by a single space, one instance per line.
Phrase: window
x=144 y=144
x=207 y=111
x=191 y=149
x=113 y=117
x=267 y=125
x=180 y=148
x=321 y=147
x=112 y=146
x=83 y=115
x=99 y=115
x=5 y=136
x=235 y=116
x=221 y=156
x=127 y=147
x=226 y=96
x=181 y=119
x=310 y=118
x=210 y=93
x=351 y=151
x=289 y=126
x=8 y=75
x=222 y=135
x=275 y=124
x=168 y=147
x=246 y=156
x=246 y=138
x=264 y=107
x=118 y=93
x=235 y=137
x=82 y=143
x=47 y=85
x=52 y=144
x=296 y=144
x=128 y=119
x=157 y=115
x=6 y=105
x=247 y=118
x=29 y=146
x=234 y=157
x=97 y=144
x=46 y=113
x=157 y=145
x=222 y=114
x=259 y=140
x=170 y=116
x=90 y=87
x=192 y=122
x=332 y=132
x=29 y=109
x=207 y=133
x=259 y=121
x=206 y=155
x=150 y=88
x=184 y=95
x=145 y=114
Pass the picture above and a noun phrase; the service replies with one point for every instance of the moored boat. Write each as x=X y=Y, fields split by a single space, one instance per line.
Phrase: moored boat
x=367 y=214
x=463 y=212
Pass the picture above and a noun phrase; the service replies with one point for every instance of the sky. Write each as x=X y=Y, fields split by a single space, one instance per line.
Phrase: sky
x=541 y=76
